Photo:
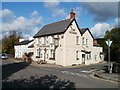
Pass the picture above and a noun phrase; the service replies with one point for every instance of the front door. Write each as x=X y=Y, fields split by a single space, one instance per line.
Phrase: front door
x=83 y=58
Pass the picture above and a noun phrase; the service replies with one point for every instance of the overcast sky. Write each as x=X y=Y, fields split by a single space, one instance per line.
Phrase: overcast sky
x=29 y=17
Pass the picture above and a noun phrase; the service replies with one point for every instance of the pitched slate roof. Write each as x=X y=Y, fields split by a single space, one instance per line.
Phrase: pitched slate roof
x=24 y=42
x=31 y=46
x=59 y=27
x=83 y=30
x=96 y=44
x=54 y=28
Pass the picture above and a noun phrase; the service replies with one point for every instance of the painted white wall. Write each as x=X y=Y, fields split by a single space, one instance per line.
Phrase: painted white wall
x=70 y=46
x=65 y=53
x=21 y=49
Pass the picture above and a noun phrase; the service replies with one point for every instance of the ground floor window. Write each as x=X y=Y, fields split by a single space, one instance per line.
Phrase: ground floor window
x=52 y=54
x=38 y=53
x=88 y=56
x=77 y=55
x=41 y=55
x=96 y=57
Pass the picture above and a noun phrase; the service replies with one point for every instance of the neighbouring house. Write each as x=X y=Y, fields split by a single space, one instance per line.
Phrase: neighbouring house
x=64 y=43
x=24 y=46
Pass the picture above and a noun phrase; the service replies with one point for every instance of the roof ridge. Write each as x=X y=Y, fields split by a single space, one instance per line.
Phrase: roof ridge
x=57 y=22
x=84 y=28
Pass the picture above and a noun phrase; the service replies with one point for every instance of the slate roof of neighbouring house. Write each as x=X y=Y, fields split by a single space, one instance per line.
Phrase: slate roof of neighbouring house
x=96 y=44
x=31 y=46
x=24 y=42
x=83 y=30
x=54 y=28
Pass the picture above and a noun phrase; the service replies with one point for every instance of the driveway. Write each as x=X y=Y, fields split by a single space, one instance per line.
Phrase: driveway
x=19 y=74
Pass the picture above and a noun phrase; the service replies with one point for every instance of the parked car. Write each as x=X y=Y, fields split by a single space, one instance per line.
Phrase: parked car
x=116 y=67
x=4 y=56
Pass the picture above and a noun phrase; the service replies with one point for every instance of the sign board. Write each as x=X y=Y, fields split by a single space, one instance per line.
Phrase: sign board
x=108 y=42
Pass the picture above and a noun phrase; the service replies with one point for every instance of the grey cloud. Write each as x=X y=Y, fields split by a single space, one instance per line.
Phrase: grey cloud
x=101 y=10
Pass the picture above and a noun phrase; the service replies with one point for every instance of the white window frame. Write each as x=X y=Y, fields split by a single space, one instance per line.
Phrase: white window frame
x=51 y=40
x=77 y=40
x=87 y=42
x=83 y=41
x=37 y=41
x=38 y=52
x=52 y=53
x=77 y=55
x=95 y=57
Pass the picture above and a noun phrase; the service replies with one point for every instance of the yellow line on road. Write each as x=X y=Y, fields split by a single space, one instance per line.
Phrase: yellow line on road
x=92 y=75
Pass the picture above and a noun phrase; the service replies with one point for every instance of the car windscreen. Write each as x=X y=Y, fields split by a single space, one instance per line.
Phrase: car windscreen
x=3 y=54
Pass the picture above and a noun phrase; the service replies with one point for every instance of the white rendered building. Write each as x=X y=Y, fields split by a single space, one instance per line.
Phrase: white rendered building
x=24 y=46
x=64 y=43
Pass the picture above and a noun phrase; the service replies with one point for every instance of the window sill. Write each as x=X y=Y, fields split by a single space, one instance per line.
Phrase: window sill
x=51 y=58
x=37 y=56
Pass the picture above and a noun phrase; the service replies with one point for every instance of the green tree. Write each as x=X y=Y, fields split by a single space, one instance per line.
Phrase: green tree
x=113 y=35
x=9 y=41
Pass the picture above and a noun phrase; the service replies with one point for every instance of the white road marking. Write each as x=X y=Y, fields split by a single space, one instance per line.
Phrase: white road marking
x=88 y=71
x=65 y=72
x=71 y=73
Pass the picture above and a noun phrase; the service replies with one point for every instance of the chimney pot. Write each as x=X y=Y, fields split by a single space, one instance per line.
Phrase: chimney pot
x=72 y=14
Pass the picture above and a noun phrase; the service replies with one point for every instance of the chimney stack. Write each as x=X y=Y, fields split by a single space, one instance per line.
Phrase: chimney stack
x=95 y=41
x=72 y=14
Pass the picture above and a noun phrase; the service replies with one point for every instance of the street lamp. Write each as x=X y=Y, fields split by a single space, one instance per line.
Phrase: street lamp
x=108 y=42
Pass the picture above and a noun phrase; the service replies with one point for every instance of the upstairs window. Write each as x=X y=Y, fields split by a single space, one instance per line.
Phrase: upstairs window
x=83 y=41
x=51 y=40
x=37 y=41
x=77 y=40
x=42 y=40
x=87 y=42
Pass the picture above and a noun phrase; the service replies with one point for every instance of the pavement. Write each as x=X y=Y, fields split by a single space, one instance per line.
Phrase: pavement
x=108 y=76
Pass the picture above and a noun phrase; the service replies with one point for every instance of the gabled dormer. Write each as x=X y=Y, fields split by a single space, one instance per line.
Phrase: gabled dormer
x=87 y=38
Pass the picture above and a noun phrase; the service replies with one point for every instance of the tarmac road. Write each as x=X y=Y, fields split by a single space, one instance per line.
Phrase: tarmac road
x=78 y=77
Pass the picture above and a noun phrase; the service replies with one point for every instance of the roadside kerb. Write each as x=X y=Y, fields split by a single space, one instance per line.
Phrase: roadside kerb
x=96 y=76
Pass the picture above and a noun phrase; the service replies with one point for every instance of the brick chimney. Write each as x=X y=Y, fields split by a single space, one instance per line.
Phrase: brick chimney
x=95 y=41
x=72 y=14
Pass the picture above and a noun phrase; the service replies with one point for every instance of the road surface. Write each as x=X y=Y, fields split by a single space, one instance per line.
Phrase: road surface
x=20 y=74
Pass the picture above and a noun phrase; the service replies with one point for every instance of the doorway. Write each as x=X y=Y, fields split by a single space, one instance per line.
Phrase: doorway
x=83 y=58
